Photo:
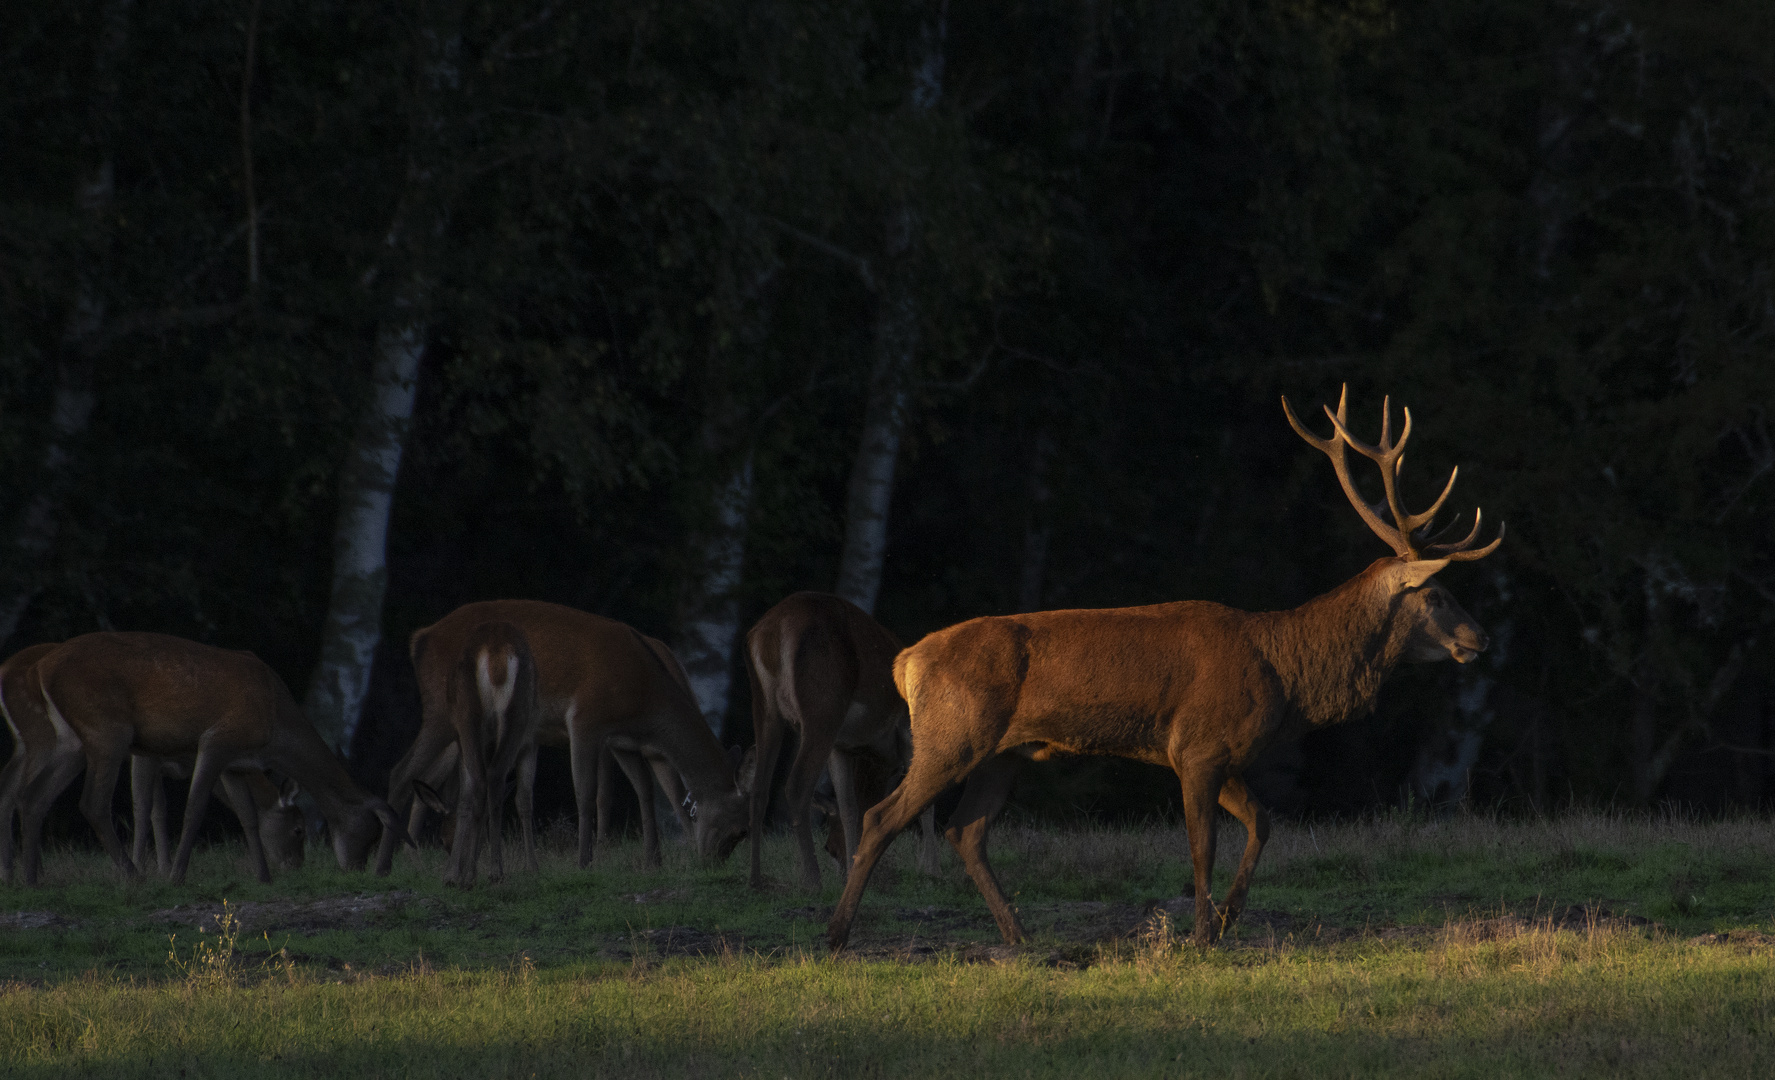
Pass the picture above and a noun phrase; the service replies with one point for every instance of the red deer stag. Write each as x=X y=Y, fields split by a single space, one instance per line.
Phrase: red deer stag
x=283 y=831
x=170 y=698
x=599 y=682
x=823 y=667
x=1192 y=685
x=44 y=756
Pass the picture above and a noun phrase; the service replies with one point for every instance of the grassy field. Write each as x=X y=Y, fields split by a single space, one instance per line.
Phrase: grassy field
x=1580 y=945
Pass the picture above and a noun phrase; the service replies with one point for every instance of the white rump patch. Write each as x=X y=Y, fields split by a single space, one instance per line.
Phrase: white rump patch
x=497 y=698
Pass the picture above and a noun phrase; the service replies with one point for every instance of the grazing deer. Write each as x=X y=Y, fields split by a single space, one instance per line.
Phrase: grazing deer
x=599 y=683
x=283 y=831
x=823 y=667
x=45 y=756
x=1195 y=686
x=123 y=693
x=491 y=701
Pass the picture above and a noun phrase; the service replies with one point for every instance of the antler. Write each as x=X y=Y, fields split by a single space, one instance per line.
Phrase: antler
x=1390 y=456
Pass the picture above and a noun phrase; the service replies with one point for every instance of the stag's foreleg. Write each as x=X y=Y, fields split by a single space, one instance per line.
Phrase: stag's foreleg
x=1201 y=789
x=1239 y=802
x=842 y=767
x=634 y=766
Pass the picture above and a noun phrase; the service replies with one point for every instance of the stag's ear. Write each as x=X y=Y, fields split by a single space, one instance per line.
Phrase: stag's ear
x=286 y=795
x=430 y=797
x=1410 y=575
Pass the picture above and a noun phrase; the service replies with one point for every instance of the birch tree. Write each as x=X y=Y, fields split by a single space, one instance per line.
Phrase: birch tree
x=871 y=487
x=367 y=479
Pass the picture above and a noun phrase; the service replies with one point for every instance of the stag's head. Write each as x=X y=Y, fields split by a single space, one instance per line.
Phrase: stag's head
x=1435 y=625
x=359 y=828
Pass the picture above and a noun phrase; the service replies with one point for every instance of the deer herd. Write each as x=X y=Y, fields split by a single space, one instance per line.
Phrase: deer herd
x=1199 y=688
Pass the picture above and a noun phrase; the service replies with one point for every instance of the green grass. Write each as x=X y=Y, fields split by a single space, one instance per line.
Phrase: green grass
x=1395 y=946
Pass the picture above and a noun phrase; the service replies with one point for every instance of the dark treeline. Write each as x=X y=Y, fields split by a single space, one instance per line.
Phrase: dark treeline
x=656 y=309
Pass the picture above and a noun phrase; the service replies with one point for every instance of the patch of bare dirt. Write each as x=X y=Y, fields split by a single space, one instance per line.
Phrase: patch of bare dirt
x=680 y=941
x=1744 y=940
x=657 y=896
x=34 y=920
x=296 y=917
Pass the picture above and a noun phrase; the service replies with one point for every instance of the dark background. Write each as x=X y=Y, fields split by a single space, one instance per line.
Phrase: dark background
x=1549 y=228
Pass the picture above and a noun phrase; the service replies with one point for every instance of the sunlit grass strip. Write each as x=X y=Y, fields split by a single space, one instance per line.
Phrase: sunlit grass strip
x=1600 y=1003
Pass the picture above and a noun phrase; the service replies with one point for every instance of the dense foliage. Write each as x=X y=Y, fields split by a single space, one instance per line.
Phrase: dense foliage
x=658 y=243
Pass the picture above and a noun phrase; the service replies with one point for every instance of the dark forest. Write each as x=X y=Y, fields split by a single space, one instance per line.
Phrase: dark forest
x=318 y=320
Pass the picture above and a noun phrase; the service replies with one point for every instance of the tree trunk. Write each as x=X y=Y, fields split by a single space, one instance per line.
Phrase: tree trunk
x=360 y=537
x=896 y=343
x=353 y=628
x=709 y=615
x=95 y=193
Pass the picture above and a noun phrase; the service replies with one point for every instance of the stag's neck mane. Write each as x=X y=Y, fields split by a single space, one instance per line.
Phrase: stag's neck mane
x=1333 y=652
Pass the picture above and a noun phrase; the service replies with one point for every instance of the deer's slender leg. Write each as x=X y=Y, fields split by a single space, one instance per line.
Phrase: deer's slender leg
x=1237 y=799
x=1200 y=790
x=980 y=802
x=812 y=752
x=12 y=784
x=506 y=757
x=583 y=753
x=102 y=770
x=525 y=798
x=924 y=782
x=606 y=794
x=240 y=799
x=212 y=758
x=144 y=784
x=769 y=729
x=672 y=786
x=471 y=800
x=40 y=794
x=641 y=778
x=842 y=767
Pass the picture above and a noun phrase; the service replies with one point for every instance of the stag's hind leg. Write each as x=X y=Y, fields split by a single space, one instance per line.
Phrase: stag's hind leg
x=980 y=802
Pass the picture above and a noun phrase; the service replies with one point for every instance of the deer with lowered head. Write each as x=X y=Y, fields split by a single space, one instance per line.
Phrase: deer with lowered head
x=166 y=697
x=599 y=684
x=1200 y=688
x=820 y=666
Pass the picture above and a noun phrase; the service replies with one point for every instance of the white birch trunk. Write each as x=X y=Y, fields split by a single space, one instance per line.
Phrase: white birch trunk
x=341 y=678
x=360 y=537
x=709 y=619
x=896 y=343
x=95 y=193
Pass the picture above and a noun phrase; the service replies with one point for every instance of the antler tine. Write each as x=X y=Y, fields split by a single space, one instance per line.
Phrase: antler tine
x=1333 y=448
x=1387 y=455
x=1458 y=552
